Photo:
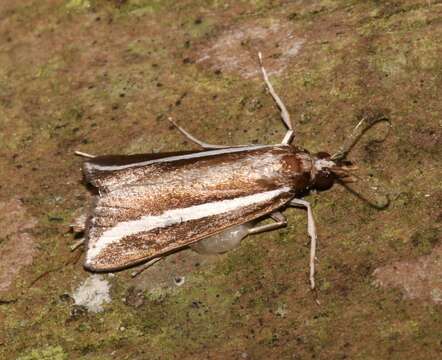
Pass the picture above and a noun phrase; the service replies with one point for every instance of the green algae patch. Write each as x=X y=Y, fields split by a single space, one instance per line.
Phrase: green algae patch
x=140 y=8
x=199 y=27
x=78 y=4
x=49 y=69
x=48 y=353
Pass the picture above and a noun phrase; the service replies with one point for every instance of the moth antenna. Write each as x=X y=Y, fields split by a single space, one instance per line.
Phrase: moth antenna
x=83 y=154
x=360 y=129
x=347 y=176
x=285 y=116
x=379 y=204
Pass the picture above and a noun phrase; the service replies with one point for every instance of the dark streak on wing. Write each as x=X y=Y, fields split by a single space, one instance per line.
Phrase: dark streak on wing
x=110 y=160
x=143 y=246
x=99 y=178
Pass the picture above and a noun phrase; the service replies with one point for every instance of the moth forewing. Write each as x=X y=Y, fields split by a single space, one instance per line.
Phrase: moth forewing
x=106 y=172
x=115 y=245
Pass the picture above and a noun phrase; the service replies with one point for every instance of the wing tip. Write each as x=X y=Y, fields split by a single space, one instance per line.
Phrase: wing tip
x=89 y=266
x=96 y=267
x=90 y=263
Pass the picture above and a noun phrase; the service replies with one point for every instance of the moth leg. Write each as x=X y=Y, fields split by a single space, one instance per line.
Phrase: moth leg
x=285 y=116
x=311 y=228
x=194 y=139
x=145 y=266
x=83 y=154
x=280 y=222
x=77 y=244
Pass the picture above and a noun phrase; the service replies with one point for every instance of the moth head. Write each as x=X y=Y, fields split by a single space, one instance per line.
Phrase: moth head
x=336 y=168
x=327 y=171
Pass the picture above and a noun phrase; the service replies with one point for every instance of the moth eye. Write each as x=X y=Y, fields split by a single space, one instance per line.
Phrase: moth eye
x=179 y=280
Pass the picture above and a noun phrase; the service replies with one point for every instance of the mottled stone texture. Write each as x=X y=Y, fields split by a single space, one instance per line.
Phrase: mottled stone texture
x=102 y=76
x=17 y=247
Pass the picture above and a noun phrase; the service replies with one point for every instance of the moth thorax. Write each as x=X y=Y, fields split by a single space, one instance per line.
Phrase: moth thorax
x=322 y=172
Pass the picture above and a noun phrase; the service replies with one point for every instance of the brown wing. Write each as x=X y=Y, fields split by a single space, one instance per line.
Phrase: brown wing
x=115 y=170
x=118 y=237
x=166 y=203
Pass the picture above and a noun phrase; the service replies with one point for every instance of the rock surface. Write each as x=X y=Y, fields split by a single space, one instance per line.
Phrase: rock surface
x=102 y=76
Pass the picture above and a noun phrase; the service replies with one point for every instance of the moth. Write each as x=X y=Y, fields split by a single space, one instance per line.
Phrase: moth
x=150 y=205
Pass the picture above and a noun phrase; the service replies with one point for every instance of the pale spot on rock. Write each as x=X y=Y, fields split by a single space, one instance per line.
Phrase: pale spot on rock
x=17 y=247
x=418 y=279
x=172 y=273
x=235 y=50
x=93 y=293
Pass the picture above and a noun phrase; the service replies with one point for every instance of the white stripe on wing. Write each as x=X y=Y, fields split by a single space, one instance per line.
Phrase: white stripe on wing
x=92 y=165
x=176 y=216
